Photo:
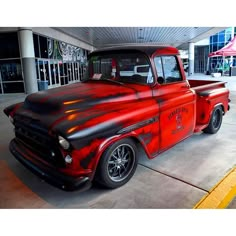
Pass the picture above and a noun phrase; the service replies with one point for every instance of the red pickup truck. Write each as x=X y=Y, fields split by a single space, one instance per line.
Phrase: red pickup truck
x=129 y=97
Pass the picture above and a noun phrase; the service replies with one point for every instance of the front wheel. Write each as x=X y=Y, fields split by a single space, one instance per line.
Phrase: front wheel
x=215 y=122
x=118 y=164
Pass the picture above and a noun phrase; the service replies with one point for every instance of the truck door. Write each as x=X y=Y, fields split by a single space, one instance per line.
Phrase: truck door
x=176 y=101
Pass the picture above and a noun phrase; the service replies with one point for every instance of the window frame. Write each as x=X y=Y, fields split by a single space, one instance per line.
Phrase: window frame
x=118 y=54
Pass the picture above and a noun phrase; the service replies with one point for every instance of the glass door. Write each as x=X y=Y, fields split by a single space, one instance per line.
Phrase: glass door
x=55 y=74
x=70 y=73
x=63 y=73
x=43 y=70
x=49 y=71
x=77 y=76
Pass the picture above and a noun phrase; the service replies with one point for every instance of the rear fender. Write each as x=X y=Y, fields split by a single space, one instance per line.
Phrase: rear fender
x=206 y=105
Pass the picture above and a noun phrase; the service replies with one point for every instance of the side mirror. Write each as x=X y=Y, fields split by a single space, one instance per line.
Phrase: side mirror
x=160 y=80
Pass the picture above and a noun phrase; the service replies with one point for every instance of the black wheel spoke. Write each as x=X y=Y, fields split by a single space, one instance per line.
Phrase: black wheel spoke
x=122 y=151
x=115 y=171
x=113 y=155
x=111 y=162
x=118 y=153
x=125 y=156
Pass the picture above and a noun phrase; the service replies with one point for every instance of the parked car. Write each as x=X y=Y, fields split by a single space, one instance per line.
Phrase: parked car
x=90 y=131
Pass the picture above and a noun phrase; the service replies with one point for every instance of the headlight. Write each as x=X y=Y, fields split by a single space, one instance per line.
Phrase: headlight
x=64 y=143
x=11 y=119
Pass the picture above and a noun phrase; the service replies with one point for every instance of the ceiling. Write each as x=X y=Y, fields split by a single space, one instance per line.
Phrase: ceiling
x=110 y=36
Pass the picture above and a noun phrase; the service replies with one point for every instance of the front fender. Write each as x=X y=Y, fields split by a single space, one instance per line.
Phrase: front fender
x=10 y=110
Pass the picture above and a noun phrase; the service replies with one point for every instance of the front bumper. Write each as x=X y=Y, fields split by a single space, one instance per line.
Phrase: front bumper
x=47 y=173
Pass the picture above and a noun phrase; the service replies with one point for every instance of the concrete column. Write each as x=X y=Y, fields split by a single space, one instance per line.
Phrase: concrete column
x=191 y=59
x=25 y=36
x=231 y=57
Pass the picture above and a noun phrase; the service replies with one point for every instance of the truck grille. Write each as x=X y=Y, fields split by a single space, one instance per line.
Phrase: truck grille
x=37 y=140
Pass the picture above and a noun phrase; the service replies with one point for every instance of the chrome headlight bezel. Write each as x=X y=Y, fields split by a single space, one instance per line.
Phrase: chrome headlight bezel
x=11 y=119
x=63 y=143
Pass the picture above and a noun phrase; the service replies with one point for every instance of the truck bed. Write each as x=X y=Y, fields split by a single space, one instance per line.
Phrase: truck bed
x=209 y=94
x=202 y=85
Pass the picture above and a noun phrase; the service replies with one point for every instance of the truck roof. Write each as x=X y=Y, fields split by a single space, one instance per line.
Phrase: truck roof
x=147 y=49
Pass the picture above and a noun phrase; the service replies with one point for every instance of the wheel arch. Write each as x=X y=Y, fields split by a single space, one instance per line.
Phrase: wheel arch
x=210 y=128
x=213 y=108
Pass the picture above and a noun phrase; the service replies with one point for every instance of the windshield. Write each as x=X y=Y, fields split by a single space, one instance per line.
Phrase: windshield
x=120 y=67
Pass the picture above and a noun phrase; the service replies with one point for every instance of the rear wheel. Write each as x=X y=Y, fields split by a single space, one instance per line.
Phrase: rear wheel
x=215 y=122
x=118 y=164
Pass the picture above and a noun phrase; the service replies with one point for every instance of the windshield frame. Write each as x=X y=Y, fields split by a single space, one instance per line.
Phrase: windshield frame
x=120 y=54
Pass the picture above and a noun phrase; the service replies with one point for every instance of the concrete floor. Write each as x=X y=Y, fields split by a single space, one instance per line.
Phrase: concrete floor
x=176 y=179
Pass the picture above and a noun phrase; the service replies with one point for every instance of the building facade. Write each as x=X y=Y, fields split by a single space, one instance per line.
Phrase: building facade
x=55 y=62
x=217 y=42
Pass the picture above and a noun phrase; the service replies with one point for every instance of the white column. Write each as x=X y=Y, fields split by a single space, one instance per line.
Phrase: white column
x=191 y=59
x=26 y=43
x=231 y=57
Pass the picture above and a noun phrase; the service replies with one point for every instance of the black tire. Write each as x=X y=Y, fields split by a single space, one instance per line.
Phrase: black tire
x=117 y=164
x=215 y=121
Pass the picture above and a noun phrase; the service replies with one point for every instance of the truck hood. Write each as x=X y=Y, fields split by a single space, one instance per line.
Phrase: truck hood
x=67 y=106
x=82 y=96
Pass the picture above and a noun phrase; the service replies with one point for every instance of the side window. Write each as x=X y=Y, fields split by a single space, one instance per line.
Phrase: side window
x=169 y=71
x=159 y=68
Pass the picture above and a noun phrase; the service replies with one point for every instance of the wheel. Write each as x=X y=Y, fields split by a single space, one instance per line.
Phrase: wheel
x=118 y=164
x=215 y=122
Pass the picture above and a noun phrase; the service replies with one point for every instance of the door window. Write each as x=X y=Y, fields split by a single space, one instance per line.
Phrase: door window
x=167 y=69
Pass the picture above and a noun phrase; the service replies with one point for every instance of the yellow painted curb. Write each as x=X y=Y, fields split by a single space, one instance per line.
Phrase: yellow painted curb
x=221 y=195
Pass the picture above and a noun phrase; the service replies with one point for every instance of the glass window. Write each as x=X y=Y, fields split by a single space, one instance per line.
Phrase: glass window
x=215 y=38
x=36 y=45
x=227 y=38
x=126 y=67
x=211 y=40
x=171 y=71
x=222 y=37
x=14 y=87
x=11 y=70
x=220 y=45
x=9 y=47
x=43 y=43
x=214 y=48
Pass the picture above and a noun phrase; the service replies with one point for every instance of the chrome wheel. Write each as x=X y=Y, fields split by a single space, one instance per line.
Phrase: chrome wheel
x=121 y=162
x=117 y=164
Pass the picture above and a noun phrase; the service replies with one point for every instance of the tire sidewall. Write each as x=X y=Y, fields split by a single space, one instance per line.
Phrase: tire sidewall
x=211 y=126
